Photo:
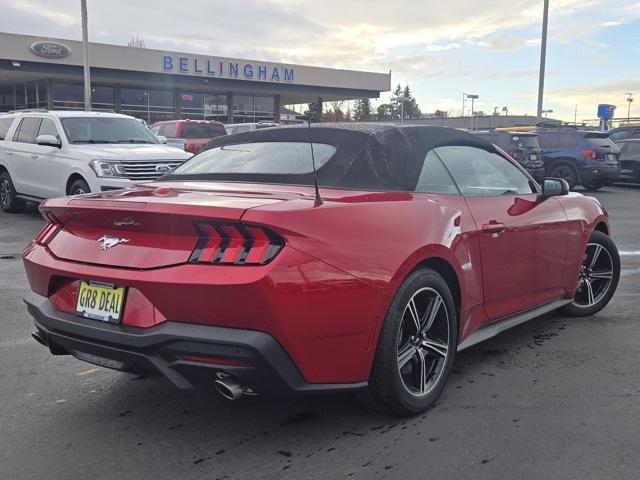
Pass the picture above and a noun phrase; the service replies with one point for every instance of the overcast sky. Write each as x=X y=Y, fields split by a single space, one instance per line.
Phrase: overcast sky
x=444 y=48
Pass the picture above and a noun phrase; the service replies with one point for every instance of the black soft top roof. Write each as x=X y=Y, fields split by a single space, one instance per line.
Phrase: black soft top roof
x=368 y=156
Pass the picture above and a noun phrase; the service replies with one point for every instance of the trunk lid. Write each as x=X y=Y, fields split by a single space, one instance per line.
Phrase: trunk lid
x=148 y=226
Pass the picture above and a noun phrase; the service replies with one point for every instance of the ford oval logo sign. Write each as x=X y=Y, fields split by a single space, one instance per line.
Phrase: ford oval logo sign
x=50 y=49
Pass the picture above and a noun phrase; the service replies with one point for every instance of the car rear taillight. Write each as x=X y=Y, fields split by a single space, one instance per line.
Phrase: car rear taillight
x=589 y=154
x=191 y=148
x=234 y=244
x=514 y=153
x=50 y=230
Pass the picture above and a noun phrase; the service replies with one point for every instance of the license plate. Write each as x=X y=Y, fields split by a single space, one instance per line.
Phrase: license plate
x=533 y=157
x=100 y=301
x=611 y=158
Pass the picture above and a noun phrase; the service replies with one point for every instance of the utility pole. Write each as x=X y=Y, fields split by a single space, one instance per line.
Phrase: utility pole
x=575 y=115
x=629 y=100
x=85 y=50
x=464 y=96
x=473 y=98
x=543 y=57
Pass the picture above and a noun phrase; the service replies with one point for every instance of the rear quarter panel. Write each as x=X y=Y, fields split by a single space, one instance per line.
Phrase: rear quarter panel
x=381 y=237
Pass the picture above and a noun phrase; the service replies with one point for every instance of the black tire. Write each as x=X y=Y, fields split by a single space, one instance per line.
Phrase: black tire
x=8 y=200
x=592 y=187
x=594 y=274
x=78 y=187
x=388 y=390
x=565 y=171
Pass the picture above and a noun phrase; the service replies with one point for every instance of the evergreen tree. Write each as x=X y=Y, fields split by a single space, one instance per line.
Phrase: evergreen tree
x=362 y=110
x=313 y=112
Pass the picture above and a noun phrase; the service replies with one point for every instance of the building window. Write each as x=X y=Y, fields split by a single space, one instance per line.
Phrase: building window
x=250 y=108
x=68 y=96
x=6 y=98
x=150 y=105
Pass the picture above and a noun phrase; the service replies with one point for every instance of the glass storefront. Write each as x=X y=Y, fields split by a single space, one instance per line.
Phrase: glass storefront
x=70 y=96
x=152 y=105
x=203 y=106
x=252 y=108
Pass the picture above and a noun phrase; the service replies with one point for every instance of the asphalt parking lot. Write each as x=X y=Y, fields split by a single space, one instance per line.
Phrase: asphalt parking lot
x=554 y=398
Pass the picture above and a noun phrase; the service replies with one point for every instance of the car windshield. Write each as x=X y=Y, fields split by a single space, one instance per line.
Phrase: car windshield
x=525 y=141
x=106 y=130
x=202 y=130
x=261 y=158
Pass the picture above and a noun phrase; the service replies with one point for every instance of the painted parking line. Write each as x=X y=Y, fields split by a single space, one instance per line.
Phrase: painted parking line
x=629 y=252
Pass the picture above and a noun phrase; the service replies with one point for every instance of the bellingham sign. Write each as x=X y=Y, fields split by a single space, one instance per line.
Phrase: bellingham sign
x=50 y=49
x=227 y=69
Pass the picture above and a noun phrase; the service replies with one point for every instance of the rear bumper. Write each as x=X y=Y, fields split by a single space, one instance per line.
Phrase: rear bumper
x=267 y=369
x=599 y=174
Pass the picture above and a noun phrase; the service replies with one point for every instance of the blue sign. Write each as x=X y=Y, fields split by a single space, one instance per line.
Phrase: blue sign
x=226 y=69
x=605 y=111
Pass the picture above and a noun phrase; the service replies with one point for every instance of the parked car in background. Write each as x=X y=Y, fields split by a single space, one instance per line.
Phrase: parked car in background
x=190 y=135
x=581 y=157
x=629 y=158
x=624 y=132
x=523 y=147
x=234 y=271
x=46 y=154
x=248 y=127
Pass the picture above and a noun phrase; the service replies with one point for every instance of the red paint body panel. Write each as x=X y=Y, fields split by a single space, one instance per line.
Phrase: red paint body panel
x=523 y=243
x=326 y=293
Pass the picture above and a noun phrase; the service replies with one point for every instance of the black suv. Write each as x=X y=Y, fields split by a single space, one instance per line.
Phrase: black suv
x=581 y=157
x=624 y=133
x=523 y=148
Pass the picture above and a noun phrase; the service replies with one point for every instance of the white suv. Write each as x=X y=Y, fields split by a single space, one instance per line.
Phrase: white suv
x=46 y=154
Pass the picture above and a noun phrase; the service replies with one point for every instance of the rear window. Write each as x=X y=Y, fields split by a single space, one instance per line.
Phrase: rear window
x=262 y=158
x=202 y=130
x=169 y=130
x=26 y=133
x=600 y=141
x=5 y=124
x=630 y=148
x=525 y=141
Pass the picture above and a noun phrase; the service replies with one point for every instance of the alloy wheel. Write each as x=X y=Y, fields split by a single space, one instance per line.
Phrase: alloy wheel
x=423 y=342
x=5 y=193
x=596 y=276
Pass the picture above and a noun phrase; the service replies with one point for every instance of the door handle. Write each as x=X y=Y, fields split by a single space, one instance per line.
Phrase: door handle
x=9 y=153
x=34 y=155
x=493 y=227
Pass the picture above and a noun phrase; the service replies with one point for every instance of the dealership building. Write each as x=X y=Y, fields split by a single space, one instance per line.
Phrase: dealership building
x=39 y=72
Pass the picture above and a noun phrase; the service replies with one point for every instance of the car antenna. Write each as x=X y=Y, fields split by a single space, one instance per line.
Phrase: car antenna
x=318 y=200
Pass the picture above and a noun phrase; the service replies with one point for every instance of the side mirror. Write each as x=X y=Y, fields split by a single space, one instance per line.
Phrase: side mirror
x=49 y=140
x=554 y=187
x=161 y=139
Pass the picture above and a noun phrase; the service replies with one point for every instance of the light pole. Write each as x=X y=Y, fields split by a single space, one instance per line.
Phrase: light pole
x=473 y=112
x=85 y=51
x=402 y=100
x=629 y=100
x=543 y=57
x=146 y=94
x=505 y=110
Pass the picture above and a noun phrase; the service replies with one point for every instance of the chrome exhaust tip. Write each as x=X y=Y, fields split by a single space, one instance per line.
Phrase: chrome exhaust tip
x=230 y=388
x=38 y=338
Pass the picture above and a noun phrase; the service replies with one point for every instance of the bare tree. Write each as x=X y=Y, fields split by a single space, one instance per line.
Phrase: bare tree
x=336 y=105
x=136 y=42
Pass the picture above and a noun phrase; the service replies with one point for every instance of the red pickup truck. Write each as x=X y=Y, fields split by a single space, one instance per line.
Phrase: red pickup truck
x=192 y=135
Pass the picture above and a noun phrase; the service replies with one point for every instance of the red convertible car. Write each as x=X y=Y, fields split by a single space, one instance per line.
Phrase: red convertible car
x=233 y=273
